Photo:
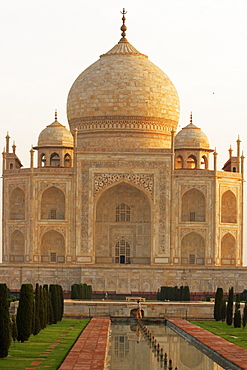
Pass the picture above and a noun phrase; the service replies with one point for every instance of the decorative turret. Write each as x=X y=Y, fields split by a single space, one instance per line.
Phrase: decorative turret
x=234 y=163
x=11 y=161
x=55 y=146
x=191 y=148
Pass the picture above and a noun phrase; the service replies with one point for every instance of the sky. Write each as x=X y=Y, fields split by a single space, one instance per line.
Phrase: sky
x=200 y=44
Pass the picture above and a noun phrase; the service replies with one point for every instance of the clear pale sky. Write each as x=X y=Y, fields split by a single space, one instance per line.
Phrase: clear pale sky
x=200 y=44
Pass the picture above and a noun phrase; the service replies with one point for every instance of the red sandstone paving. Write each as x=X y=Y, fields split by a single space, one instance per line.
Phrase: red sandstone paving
x=89 y=351
x=231 y=351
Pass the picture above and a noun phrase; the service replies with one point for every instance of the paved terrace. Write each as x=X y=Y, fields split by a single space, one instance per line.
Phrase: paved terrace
x=233 y=353
x=89 y=351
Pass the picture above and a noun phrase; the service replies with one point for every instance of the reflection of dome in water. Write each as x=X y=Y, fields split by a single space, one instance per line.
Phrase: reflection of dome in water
x=57 y=135
x=190 y=356
x=191 y=137
x=123 y=96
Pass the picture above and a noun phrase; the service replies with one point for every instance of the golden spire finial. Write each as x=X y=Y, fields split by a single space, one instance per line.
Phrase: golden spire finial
x=123 y=27
x=55 y=115
x=191 y=118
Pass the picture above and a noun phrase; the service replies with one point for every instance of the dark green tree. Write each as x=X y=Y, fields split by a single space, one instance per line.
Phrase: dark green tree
x=45 y=303
x=237 y=313
x=50 y=310
x=5 y=330
x=41 y=308
x=229 y=308
x=223 y=311
x=218 y=304
x=36 y=316
x=24 y=316
x=186 y=293
x=181 y=291
x=244 y=319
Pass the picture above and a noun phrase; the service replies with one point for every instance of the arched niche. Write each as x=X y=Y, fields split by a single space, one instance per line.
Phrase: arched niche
x=17 y=204
x=55 y=160
x=228 y=207
x=204 y=162
x=191 y=162
x=17 y=246
x=179 y=162
x=228 y=249
x=133 y=226
x=193 y=206
x=53 y=204
x=43 y=160
x=53 y=247
x=67 y=160
x=193 y=249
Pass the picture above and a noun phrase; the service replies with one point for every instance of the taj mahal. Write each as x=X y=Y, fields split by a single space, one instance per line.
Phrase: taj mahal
x=122 y=200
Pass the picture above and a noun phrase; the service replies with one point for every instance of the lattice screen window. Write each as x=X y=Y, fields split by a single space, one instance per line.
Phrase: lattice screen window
x=122 y=213
x=53 y=257
x=122 y=252
x=53 y=214
x=192 y=216
x=192 y=259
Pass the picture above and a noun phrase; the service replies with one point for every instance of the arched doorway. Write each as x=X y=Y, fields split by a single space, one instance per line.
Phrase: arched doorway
x=123 y=226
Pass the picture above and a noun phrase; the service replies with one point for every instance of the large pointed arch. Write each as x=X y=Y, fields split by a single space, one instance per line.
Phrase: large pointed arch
x=133 y=226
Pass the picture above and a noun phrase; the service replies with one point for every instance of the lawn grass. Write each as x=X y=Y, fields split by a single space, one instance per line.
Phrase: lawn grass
x=49 y=347
x=235 y=335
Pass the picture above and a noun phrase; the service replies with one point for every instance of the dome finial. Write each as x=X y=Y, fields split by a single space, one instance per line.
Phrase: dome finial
x=55 y=115
x=123 y=27
x=191 y=118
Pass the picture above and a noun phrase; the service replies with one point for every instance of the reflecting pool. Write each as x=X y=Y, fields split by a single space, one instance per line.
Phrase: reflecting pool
x=130 y=350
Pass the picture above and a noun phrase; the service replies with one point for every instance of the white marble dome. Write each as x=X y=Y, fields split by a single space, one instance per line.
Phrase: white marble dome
x=191 y=137
x=123 y=92
x=56 y=135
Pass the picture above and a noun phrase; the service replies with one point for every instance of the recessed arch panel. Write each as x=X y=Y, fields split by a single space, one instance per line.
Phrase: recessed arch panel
x=53 y=204
x=17 y=204
x=228 y=207
x=193 y=206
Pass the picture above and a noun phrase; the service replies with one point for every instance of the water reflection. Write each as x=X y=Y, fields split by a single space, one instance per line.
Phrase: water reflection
x=130 y=350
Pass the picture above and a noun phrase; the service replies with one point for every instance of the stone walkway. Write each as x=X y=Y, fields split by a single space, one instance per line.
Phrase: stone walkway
x=237 y=355
x=89 y=351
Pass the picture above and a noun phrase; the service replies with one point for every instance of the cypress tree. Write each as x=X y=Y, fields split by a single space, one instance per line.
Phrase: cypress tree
x=244 y=319
x=223 y=311
x=54 y=302
x=41 y=308
x=61 y=303
x=181 y=290
x=36 y=316
x=5 y=330
x=24 y=316
x=229 y=308
x=237 y=313
x=218 y=304
x=186 y=293
x=50 y=310
x=45 y=303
